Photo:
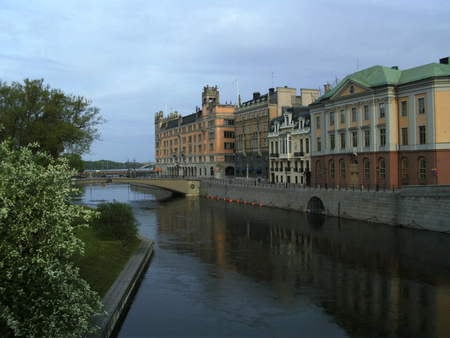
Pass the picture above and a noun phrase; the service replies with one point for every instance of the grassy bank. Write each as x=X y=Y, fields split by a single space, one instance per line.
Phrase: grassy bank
x=103 y=259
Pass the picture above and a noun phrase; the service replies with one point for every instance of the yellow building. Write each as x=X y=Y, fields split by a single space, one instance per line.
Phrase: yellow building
x=197 y=145
x=384 y=127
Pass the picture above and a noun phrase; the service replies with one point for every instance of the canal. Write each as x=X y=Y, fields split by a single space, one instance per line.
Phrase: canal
x=227 y=270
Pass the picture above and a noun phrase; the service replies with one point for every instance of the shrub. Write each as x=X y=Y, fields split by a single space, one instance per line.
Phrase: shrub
x=115 y=221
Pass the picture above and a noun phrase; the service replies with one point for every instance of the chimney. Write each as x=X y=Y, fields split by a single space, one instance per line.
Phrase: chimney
x=256 y=95
x=445 y=61
x=326 y=87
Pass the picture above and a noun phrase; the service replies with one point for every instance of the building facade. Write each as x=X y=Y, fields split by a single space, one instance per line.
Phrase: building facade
x=197 y=145
x=384 y=127
x=252 y=127
x=289 y=138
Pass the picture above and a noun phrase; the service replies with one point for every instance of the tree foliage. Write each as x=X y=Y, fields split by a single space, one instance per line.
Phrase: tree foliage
x=33 y=112
x=41 y=293
x=115 y=221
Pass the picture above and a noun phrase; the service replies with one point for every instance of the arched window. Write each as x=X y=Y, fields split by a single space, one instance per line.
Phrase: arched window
x=404 y=168
x=366 y=167
x=331 y=168
x=422 y=168
x=342 y=167
x=318 y=168
x=382 y=168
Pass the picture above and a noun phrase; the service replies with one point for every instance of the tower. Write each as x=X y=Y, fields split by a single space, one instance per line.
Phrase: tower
x=210 y=97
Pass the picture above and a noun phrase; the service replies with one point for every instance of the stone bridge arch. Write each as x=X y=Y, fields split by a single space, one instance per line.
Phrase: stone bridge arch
x=315 y=206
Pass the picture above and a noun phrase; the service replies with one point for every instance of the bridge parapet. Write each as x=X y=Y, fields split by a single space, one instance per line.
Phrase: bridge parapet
x=187 y=187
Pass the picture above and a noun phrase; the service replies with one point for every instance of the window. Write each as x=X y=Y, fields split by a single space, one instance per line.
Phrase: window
x=421 y=105
x=342 y=117
x=307 y=146
x=354 y=138
x=342 y=137
x=382 y=110
x=354 y=115
x=367 y=138
x=319 y=170
x=301 y=145
x=331 y=118
x=404 y=108
x=228 y=145
x=317 y=122
x=422 y=168
x=366 y=167
x=382 y=137
x=319 y=144
x=342 y=167
x=366 y=113
x=332 y=142
x=404 y=136
x=228 y=134
x=228 y=122
x=422 y=135
x=382 y=168
x=404 y=168
x=331 y=168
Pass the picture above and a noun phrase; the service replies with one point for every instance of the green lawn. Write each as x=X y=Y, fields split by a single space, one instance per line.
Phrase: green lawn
x=103 y=259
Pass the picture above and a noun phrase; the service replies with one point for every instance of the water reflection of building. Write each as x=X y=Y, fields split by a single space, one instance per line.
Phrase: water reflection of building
x=372 y=280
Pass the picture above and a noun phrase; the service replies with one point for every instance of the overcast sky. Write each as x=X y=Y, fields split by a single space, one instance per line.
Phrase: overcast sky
x=132 y=58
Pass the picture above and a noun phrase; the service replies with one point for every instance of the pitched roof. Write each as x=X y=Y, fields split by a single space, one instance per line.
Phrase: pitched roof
x=377 y=76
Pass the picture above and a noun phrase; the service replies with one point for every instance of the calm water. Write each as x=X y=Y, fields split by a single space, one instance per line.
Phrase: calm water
x=222 y=270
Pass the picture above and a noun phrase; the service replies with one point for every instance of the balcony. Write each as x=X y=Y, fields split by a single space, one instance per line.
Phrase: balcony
x=287 y=169
x=299 y=154
x=274 y=155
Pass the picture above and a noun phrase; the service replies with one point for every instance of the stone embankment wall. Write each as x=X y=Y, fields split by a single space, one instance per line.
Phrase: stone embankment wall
x=424 y=207
x=119 y=296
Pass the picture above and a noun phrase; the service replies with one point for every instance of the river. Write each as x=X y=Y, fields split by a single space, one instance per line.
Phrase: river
x=228 y=270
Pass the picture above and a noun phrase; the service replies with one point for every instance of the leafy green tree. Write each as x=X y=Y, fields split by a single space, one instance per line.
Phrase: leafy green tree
x=33 y=112
x=115 y=221
x=41 y=293
x=75 y=161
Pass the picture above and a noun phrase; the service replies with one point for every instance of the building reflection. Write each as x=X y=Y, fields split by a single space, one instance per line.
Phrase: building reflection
x=373 y=280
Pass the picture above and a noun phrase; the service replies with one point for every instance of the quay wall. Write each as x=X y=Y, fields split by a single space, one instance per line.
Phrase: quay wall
x=420 y=207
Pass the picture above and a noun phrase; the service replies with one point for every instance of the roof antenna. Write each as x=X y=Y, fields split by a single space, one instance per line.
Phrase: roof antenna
x=272 y=79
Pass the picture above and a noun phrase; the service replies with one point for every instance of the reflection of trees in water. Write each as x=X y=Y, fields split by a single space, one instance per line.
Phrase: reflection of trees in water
x=373 y=279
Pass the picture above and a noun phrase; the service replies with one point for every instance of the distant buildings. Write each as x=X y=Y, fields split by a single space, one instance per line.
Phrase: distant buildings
x=379 y=127
x=200 y=144
x=289 y=140
x=252 y=127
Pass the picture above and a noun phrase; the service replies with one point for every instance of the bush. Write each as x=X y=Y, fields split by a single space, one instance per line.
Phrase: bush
x=115 y=221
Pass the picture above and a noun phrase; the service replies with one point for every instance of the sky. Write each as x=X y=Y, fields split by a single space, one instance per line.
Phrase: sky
x=132 y=58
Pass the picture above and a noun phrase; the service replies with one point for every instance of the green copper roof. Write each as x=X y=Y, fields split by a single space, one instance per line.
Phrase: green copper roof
x=381 y=76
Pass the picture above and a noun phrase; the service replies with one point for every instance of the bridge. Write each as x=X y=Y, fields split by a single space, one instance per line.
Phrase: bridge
x=185 y=186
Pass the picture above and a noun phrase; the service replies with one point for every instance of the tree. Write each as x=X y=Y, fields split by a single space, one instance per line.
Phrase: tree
x=41 y=293
x=75 y=161
x=115 y=221
x=33 y=112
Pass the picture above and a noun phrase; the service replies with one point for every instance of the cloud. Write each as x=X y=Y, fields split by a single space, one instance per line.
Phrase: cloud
x=133 y=58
